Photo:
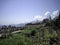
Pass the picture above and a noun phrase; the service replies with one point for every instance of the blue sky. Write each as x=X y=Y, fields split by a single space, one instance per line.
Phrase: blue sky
x=21 y=11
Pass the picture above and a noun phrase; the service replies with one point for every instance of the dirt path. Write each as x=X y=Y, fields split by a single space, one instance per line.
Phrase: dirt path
x=19 y=31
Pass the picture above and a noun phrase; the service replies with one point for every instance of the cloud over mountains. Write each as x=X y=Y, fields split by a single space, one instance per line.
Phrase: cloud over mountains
x=46 y=15
x=55 y=13
x=38 y=17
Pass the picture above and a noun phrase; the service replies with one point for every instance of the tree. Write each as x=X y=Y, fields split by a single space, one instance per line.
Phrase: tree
x=57 y=22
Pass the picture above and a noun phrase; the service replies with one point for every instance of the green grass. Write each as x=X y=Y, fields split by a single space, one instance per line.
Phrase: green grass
x=42 y=37
x=17 y=39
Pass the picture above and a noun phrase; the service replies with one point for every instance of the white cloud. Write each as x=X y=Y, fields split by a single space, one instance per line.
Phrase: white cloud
x=47 y=13
x=54 y=14
x=38 y=17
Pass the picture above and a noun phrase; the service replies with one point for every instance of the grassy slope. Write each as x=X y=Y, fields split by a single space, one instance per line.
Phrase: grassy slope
x=41 y=37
